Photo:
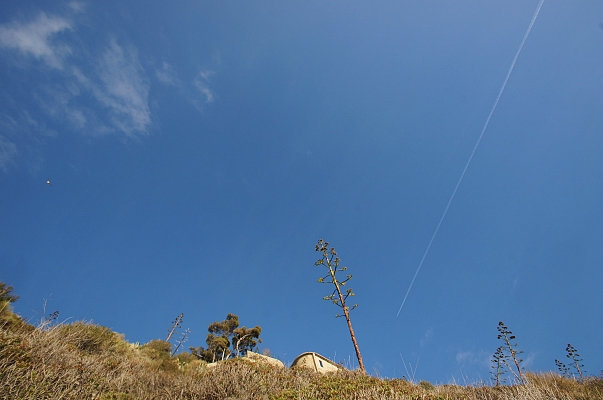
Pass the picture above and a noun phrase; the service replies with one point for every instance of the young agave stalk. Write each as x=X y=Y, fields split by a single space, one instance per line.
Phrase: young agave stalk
x=507 y=337
x=176 y=324
x=572 y=354
x=182 y=339
x=499 y=359
x=563 y=369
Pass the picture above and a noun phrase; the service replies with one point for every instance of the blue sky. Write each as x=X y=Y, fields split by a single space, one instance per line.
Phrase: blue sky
x=198 y=150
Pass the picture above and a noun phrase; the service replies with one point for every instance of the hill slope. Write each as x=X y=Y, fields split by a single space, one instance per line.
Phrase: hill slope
x=84 y=360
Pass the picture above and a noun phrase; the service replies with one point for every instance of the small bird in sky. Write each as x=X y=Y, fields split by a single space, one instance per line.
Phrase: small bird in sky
x=48 y=182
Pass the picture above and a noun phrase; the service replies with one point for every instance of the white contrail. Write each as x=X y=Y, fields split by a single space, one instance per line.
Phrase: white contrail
x=502 y=89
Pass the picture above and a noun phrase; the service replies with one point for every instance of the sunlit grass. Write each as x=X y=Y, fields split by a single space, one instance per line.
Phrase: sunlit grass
x=86 y=361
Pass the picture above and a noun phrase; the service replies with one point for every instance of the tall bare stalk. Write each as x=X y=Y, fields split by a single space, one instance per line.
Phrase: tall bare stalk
x=330 y=260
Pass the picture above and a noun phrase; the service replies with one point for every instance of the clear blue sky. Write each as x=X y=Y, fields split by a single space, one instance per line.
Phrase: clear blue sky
x=197 y=151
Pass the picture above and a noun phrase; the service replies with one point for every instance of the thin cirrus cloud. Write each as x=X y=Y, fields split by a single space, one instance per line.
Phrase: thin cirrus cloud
x=201 y=82
x=35 y=38
x=168 y=76
x=123 y=90
x=426 y=337
x=8 y=150
x=94 y=91
x=471 y=357
x=21 y=124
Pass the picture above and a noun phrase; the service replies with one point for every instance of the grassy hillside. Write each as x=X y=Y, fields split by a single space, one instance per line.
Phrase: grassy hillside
x=87 y=361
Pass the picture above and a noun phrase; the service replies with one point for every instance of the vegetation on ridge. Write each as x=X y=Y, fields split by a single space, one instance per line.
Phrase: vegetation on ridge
x=82 y=360
x=227 y=340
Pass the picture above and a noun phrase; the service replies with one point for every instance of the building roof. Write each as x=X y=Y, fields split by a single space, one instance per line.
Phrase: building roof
x=316 y=362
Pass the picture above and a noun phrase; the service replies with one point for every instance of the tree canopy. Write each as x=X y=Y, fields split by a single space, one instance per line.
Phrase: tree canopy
x=6 y=293
x=226 y=340
x=7 y=316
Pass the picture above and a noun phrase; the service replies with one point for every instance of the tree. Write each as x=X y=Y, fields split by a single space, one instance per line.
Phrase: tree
x=6 y=296
x=7 y=317
x=225 y=340
x=244 y=339
x=330 y=260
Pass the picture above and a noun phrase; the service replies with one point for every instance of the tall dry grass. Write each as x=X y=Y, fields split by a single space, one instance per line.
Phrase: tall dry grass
x=87 y=361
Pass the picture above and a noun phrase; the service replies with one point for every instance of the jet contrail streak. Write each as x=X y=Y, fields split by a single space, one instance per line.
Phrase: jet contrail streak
x=502 y=89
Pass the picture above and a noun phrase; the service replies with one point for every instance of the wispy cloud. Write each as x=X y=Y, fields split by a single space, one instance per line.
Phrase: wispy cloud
x=93 y=88
x=8 y=151
x=201 y=82
x=168 y=75
x=529 y=361
x=198 y=93
x=123 y=89
x=426 y=337
x=35 y=38
x=480 y=358
x=77 y=6
x=20 y=135
x=62 y=102
x=117 y=84
x=113 y=79
x=514 y=285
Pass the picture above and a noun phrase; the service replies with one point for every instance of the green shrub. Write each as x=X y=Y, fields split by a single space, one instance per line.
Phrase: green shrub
x=158 y=353
x=184 y=359
x=91 y=338
x=157 y=349
x=8 y=319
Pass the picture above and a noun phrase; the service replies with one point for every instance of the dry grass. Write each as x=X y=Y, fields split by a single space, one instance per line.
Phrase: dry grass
x=87 y=361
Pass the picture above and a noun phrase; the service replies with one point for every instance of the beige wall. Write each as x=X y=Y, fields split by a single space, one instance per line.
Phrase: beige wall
x=315 y=362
